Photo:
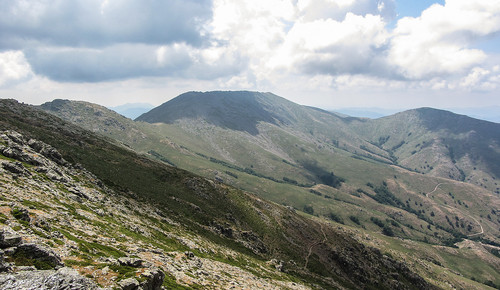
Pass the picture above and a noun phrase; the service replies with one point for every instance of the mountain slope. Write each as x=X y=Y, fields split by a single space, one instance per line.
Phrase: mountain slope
x=223 y=109
x=284 y=162
x=254 y=229
x=439 y=143
x=291 y=164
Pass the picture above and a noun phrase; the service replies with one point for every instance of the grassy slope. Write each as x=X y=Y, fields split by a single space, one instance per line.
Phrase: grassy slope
x=201 y=206
x=440 y=143
x=180 y=144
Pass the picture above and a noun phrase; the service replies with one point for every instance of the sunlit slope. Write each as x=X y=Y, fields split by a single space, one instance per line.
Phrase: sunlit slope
x=285 y=163
x=439 y=143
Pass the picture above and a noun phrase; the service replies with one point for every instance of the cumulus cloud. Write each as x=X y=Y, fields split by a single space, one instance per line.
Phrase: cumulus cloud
x=92 y=23
x=310 y=10
x=354 y=45
x=125 y=61
x=253 y=44
x=106 y=40
x=13 y=67
x=439 y=42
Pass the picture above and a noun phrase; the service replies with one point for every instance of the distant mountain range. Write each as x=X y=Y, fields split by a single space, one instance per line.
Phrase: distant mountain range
x=132 y=110
x=423 y=175
x=491 y=114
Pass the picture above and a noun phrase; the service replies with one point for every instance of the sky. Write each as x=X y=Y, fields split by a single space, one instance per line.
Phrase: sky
x=324 y=53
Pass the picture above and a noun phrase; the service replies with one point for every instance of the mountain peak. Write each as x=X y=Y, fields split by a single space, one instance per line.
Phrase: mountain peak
x=236 y=110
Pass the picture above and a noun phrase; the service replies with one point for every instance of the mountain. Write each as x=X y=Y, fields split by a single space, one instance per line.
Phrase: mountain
x=121 y=219
x=324 y=164
x=222 y=109
x=132 y=110
x=439 y=143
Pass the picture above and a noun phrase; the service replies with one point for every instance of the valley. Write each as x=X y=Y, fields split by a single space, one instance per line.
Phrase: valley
x=333 y=182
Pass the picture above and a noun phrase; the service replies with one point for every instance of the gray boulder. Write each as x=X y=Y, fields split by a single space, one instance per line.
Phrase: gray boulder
x=129 y=284
x=132 y=262
x=42 y=254
x=154 y=279
x=9 y=238
x=64 y=278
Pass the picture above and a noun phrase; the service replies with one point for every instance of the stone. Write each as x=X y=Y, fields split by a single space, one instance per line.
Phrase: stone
x=26 y=268
x=131 y=262
x=9 y=238
x=21 y=214
x=39 y=253
x=64 y=278
x=154 y=279
x=16 y=168
x=129 y=284
x=4 y=266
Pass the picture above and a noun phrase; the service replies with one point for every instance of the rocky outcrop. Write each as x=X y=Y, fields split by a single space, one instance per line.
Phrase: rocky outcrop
x=131 y=262
x=43 y=255
x=129 y=284
x=16 y=168
x=9 y=238
x=64 y=278
x=152 y=280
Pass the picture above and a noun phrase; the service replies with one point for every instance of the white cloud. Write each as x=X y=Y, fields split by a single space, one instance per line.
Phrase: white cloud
x=438 y=43
x=13 y=67
x=94 y=23
x=310 y=10
x=321 y=47
x=333 y=47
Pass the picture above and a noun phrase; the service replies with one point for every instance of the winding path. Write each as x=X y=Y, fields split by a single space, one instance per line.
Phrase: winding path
x=435 y=188
x=315 y=244
x=452 y=208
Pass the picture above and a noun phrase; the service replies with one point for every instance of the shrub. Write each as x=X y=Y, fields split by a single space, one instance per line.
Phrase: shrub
x=334 y=217
x=387 y=230
x=354 y=219
x=377 y=221
x=309 y=209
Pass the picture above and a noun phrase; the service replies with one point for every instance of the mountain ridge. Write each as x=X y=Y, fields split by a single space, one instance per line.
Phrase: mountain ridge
x=223 y=215
x=283 y=163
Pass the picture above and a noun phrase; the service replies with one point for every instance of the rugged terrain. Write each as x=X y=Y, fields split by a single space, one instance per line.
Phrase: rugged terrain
x=120 y=219
x=330 y=166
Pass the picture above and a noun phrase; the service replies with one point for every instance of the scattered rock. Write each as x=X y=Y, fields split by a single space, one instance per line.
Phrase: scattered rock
x=9 y=238
x=16 y=168
x=131 y=262
x=40 y=253
x=154 y=279
x=64 y=278
x=129 y=284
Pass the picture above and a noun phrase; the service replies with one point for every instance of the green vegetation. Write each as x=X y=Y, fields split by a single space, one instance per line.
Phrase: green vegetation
x=192 y=202
x=354 y=219
x=22 y=259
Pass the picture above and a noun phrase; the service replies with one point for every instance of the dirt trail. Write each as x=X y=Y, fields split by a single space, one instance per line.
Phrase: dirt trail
x=435 y=188
x=315 y=244
x=465 y=214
